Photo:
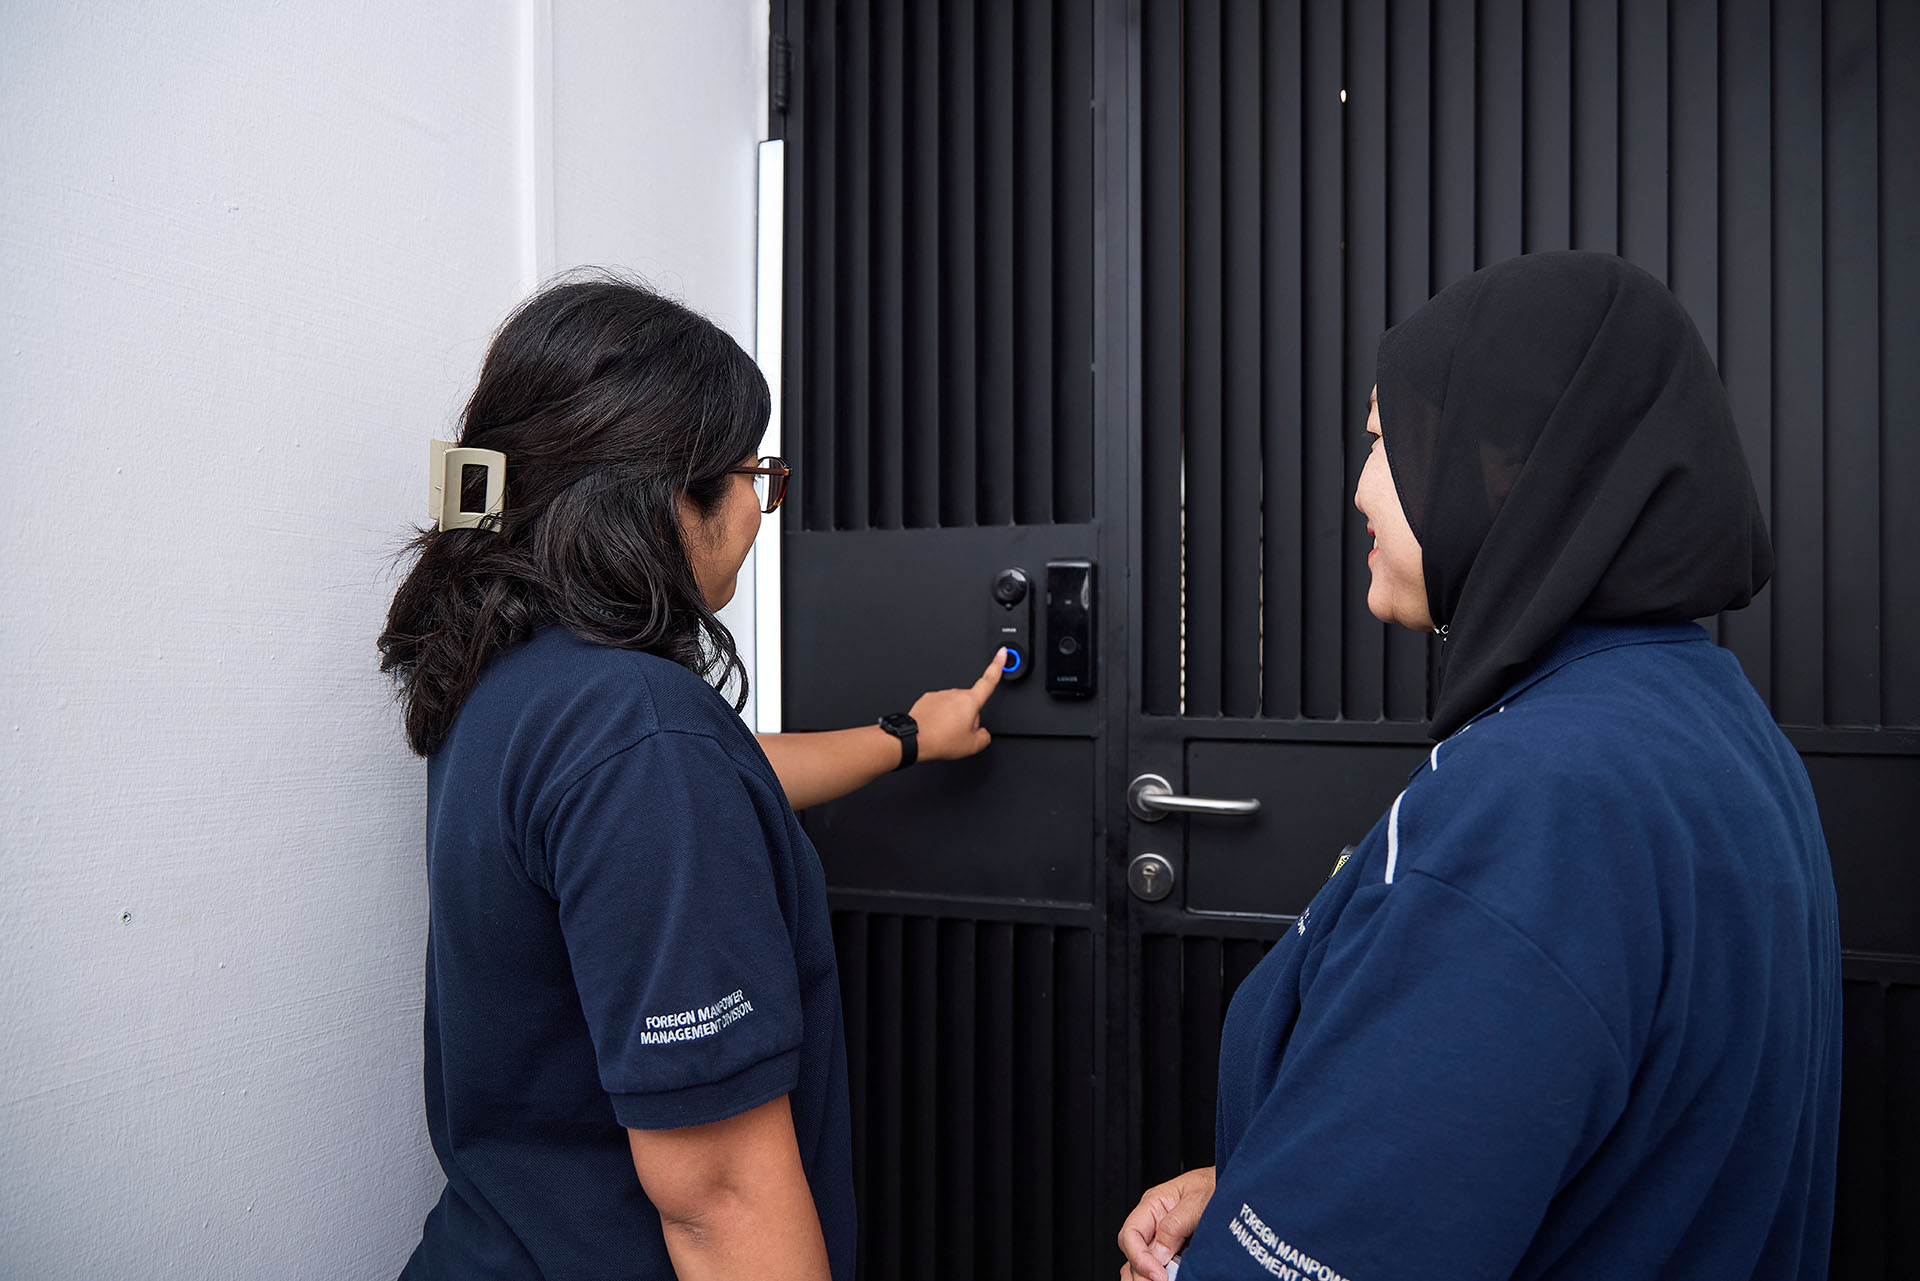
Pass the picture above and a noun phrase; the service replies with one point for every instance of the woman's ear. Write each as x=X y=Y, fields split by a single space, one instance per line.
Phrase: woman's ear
x=693 y=521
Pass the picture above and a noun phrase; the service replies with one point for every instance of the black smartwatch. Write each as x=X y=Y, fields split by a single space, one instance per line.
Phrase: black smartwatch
x=904 y=728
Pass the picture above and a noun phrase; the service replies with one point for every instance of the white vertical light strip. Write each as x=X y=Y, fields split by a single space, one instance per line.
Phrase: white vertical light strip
x=536 y=143
x=769 y=305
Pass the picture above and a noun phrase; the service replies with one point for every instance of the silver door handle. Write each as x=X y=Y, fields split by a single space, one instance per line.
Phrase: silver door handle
x=1152 y=798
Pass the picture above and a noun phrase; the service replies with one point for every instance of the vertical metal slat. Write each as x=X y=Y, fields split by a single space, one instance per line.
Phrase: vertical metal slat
x=853 y=283
x=1862 y=1222
x=1903 y=1119
x=1075 y=1083
x=1201 y=1008
x=1596 y=126
x=1363 y=675
x=1032 y=322
x=1161 y=1083
x=1203 y=535
x=850 y=930
x=921 y=1171
x=998 y=1145
x=1899 y=48
x=1073 y=239
x=1852 y=310
x=1241 y=325
x=1799 y=518
x=1746 y=287
x=1323 y=453
x=956 y=1220
x=883 y=1244
x=1454 y=144
x=886 y=421
x=995 y=173
x=1500 y=105
x=959 y=317
x=1546 y=126
x=1644 y=156
x=1694 y=188
x=1283 y=335
x=1409 y=268
x=926 y=202
x=1160 y=292
x=1035 y=1002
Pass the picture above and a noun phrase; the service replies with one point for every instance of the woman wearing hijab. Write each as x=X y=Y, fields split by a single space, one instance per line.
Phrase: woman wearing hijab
x=1571 y=1009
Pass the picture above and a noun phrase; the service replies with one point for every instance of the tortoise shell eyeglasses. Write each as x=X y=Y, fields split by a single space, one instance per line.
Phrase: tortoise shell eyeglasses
x=770 y=476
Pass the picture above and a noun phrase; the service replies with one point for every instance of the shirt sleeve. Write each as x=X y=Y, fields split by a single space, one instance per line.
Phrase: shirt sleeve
x=666 y=865
x=1442 y=1082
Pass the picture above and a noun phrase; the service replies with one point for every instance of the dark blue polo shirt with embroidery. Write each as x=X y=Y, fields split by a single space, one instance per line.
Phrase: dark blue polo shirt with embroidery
x=628 y=931
x=1571 y=1010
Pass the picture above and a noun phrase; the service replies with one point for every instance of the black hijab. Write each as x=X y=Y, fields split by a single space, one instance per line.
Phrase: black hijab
x=1564 y=452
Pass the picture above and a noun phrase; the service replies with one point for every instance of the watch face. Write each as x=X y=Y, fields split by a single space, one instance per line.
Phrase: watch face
x=898 y=723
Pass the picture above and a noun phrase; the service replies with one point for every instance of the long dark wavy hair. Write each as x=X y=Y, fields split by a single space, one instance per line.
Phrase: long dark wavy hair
x=609 y=402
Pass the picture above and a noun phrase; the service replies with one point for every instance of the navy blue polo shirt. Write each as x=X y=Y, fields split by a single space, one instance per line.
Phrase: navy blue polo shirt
x=628 y=931
x=1571 y=1010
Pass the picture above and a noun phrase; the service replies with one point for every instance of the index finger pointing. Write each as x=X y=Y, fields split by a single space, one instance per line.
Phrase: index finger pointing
x=990 y=679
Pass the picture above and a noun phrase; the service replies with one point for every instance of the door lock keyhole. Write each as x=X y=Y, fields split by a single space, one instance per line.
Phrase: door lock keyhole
x=1150 y=877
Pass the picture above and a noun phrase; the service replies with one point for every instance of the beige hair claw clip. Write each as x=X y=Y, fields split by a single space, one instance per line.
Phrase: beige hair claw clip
x=444 y=473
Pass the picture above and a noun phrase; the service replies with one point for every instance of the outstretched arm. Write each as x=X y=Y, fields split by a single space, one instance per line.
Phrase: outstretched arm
x=826 y=766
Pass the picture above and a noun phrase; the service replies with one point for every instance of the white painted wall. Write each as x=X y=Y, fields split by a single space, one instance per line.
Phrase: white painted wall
x=252 y=255
x=657 y=112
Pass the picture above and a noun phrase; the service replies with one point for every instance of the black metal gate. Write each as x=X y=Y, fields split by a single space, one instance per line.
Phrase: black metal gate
x=1102 y=280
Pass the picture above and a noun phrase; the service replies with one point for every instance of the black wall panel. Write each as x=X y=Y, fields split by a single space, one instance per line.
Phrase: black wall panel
x=1313 y=172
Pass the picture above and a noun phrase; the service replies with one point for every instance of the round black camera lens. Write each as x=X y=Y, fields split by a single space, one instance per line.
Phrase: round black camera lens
x=1010 y=587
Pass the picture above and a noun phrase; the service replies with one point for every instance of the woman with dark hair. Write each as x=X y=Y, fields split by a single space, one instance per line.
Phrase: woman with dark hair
x=1571 y=1009
x=634 y=1058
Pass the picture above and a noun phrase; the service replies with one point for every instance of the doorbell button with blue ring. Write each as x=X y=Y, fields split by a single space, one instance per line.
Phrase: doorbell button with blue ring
x=1009 y=620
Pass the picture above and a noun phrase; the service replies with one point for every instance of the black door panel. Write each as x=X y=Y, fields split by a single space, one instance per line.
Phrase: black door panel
x=882 y=616
x=1867 y=807
x=1121 y=265
x=1008 y=824
x=1315 y=799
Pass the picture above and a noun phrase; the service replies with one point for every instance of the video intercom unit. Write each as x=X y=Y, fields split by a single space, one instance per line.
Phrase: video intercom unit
x=1070 y=629
x=1012 y=622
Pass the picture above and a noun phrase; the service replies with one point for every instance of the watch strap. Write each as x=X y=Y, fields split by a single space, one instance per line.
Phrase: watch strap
x=903 y=727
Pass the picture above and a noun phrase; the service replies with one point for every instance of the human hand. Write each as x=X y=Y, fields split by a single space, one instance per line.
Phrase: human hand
x=949 y=719
x=1161 y=1224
